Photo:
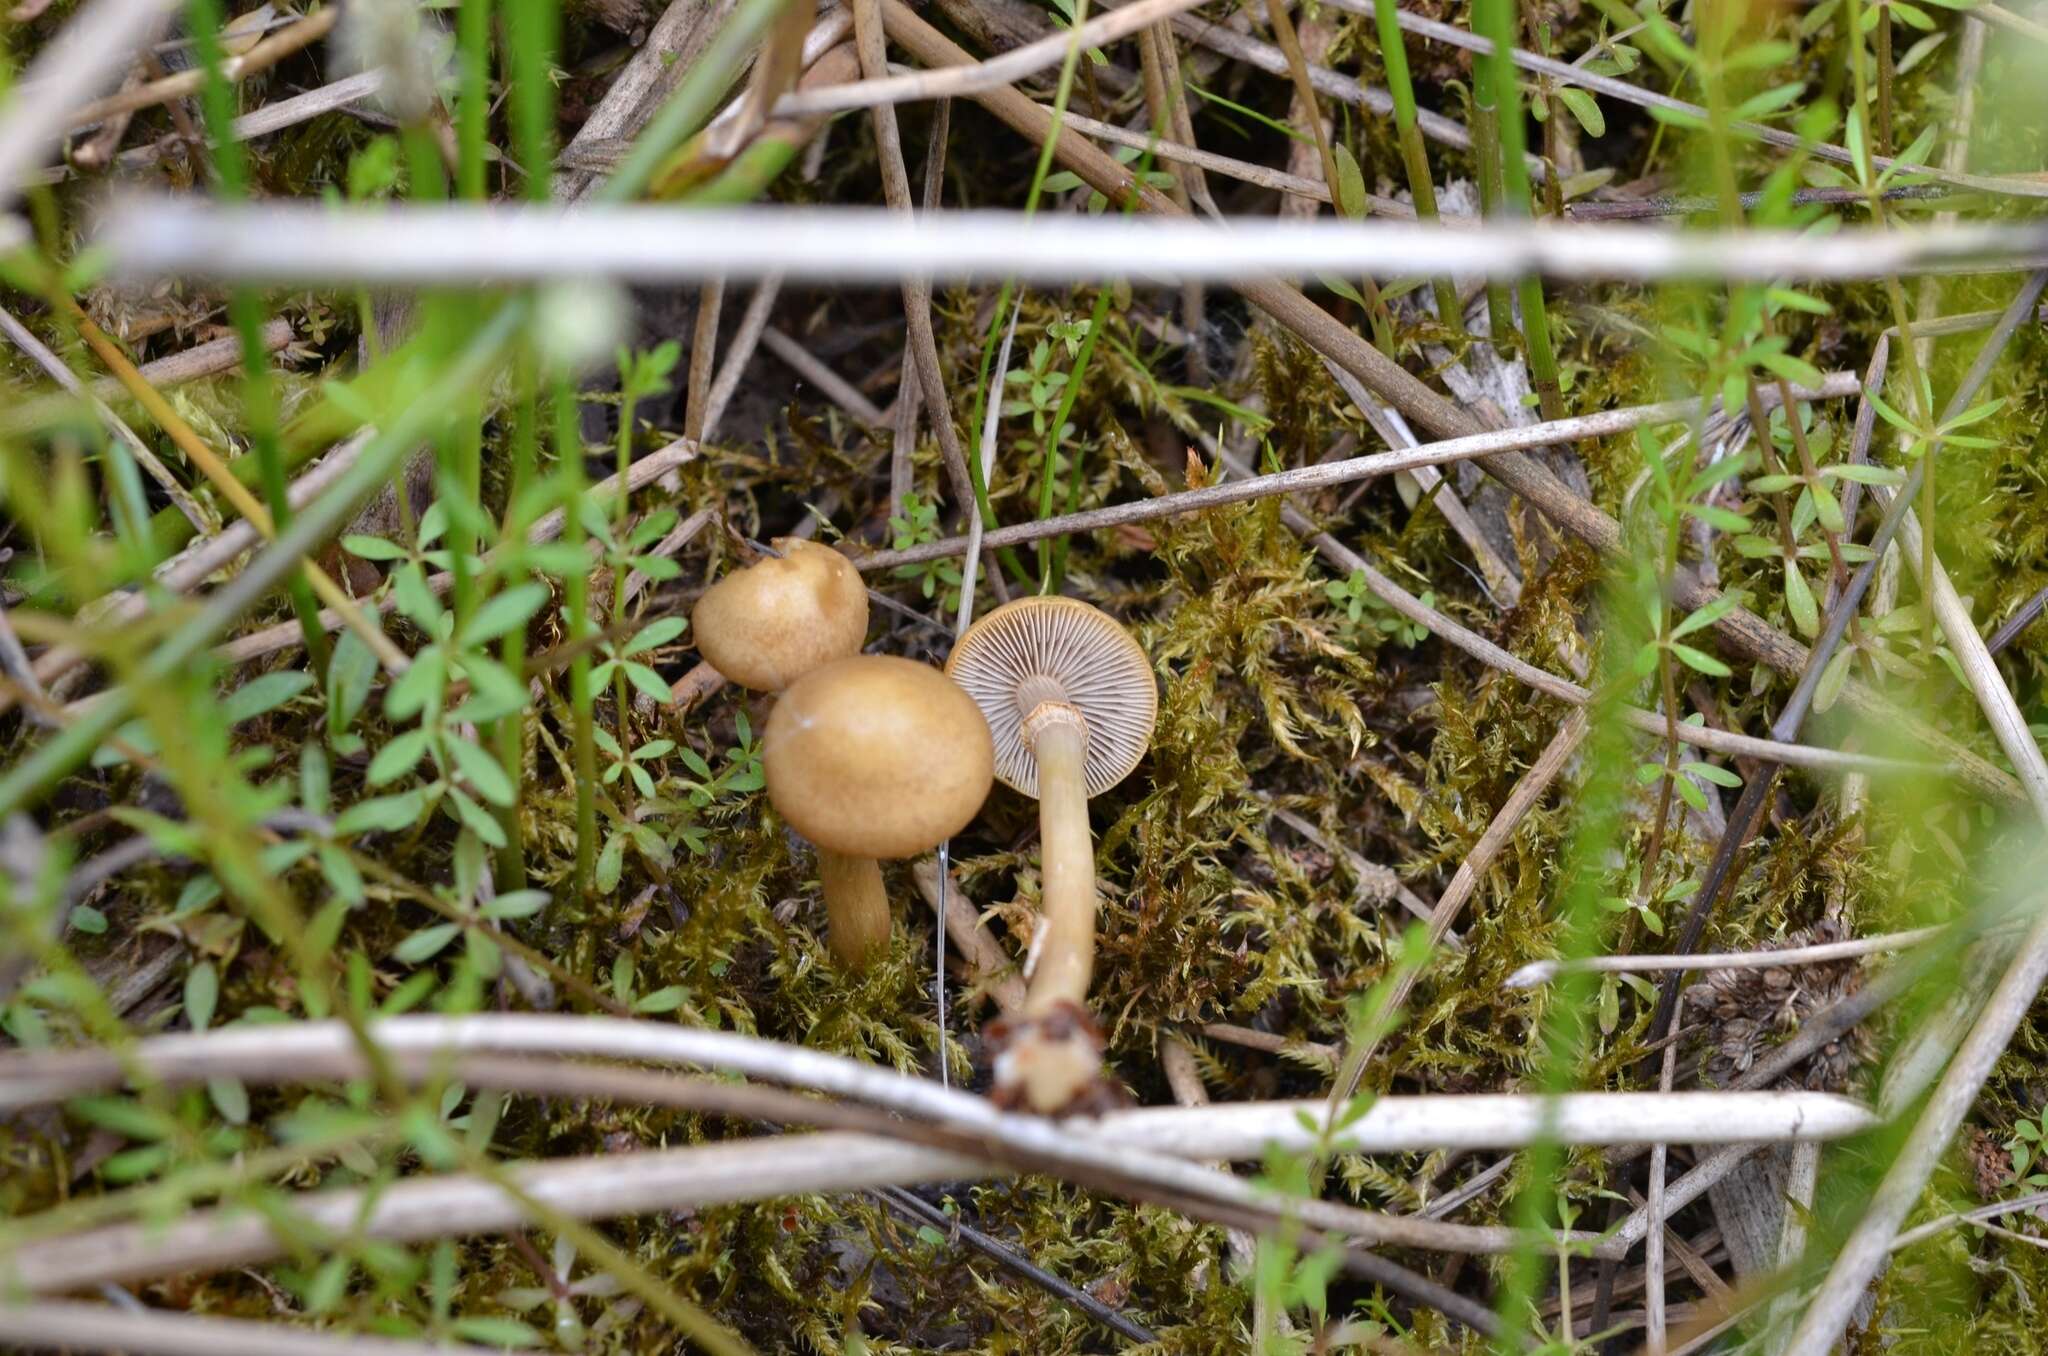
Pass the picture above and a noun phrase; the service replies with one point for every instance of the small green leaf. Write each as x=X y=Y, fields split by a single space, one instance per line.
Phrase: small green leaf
x=1799 y=601
x=372 y=548
x=202 y=991
x=662 y=1000
x=88 y=920
x=1349 y=190
x=425 y=944
x=385 y=814
x=1584 y=108
x=1707 y=772
x=504 y=612
x=480 y=766
x=1700 y=661
x=266 y=693
x=399 y=757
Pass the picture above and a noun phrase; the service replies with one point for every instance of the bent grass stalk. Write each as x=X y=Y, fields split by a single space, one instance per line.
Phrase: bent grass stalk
x=1394 y=55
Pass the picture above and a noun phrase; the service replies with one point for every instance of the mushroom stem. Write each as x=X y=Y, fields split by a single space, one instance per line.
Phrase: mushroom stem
x=856 y=907
x=1066 y=949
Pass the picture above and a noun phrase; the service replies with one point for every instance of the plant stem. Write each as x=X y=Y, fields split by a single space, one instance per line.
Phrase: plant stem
x=246 y=311
x=530 y=38
x=1493 y=19
x=1667 y=680
x=1500 y=314
x=569 y=455
x=1884 y=78
x=1054 y=570
x=1394 y=53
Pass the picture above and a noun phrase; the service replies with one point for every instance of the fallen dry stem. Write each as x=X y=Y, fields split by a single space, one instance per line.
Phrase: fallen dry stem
x=262 y=56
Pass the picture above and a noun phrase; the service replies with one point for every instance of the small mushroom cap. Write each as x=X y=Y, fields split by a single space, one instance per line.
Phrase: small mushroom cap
x=1102 y=669
x=767 y=625
x=875 y=756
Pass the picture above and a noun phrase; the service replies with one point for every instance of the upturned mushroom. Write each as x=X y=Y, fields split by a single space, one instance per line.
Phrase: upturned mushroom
x=769 y=624
x=873 y=757
x=1070 y=702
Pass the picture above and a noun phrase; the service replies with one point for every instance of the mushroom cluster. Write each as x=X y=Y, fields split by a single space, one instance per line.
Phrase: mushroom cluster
x=867 y=757
x=1070 y=702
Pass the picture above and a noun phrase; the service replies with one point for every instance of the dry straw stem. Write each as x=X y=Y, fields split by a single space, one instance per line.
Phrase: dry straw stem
x=1499 y=832
x=1111 y=1154
x=393 y=659
x=830 y=384
x=67 y=1324
x=1323 y=475
x=426 y=244
x=25 y=339
x=1242 y=1130
x=878 y=91
x=1544 y=971
x=87 y=56
x=1266 y=57
x=262 y=56
x=672 y=45
x=173 y=369
x=745 y=340
x=917 y=290
x=1566 y=73
x=991 y=965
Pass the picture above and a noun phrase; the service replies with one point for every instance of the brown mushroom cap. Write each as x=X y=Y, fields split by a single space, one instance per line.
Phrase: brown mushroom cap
x=767 y=625
x=877 y=757
x=1102 y=669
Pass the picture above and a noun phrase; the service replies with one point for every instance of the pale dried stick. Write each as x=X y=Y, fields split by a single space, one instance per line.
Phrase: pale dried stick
x=1544 y=971
x=744 y=341
x=993 y=969
x=1322 y=475
x=1377 y=883
x=262 y=56
x=672 y=47
x=1653 y=1251
x=88 y=55
x=1501 y=579
x=703 y=355
x=1271 y=1043
x=25 y=339
x=70 y=1325
x=917 y=290
x=830 y=384
x=881 y=90
x=971 y=560
x=1499 y=832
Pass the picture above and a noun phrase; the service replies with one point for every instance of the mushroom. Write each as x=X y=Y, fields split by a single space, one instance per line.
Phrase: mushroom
x=1070 y=702
x=768 y=625
x=873 y=757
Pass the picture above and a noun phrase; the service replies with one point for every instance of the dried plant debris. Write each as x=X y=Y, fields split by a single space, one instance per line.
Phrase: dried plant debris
x=1747 y=1010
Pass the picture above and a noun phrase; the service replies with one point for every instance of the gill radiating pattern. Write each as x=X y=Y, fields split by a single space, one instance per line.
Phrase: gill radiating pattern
x=1106 y=676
